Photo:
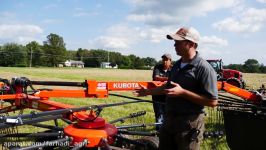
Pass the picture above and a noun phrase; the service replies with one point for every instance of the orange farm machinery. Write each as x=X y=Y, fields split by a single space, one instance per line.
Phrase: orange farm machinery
x=242 y=115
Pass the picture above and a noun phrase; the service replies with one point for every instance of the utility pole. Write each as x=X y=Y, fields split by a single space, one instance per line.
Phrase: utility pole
x=107 y=56
x=30 y=56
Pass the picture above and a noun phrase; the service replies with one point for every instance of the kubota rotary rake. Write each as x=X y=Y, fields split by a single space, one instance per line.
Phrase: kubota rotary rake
x=86 y=130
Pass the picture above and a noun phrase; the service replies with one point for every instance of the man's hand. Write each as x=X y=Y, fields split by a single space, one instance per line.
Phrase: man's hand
x=141 y=91
x=175 y=90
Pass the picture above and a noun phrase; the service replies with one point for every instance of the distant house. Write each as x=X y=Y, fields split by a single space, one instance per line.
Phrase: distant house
x=74 y=63
x=108 y=65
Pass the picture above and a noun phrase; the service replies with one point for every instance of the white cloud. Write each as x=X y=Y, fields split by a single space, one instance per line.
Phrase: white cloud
x=118 y=36
x=123 y=36
x=167 y=12
x=212 y=47
x=26 y=39
x=213 y=41
x=156 y=35
x=209 y=53
x=261 y=1
x=157 y=20
x=20 y=33
x=250 y=20
x=111 y=42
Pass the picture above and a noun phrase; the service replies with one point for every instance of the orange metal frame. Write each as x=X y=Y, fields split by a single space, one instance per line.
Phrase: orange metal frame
x=245 y=94
x=40 y=101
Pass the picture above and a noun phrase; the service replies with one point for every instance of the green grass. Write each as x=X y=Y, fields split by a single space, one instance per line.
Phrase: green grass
x=77 y=74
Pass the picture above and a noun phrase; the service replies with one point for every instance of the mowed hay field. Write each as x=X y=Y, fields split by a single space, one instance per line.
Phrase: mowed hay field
x=254 y=80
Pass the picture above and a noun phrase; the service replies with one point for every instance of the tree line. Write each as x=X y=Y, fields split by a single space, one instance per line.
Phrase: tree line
x=249 y=66
x=53 y=52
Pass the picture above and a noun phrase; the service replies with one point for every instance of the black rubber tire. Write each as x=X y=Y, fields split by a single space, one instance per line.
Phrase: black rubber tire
x=243 y=84
x=235 y=82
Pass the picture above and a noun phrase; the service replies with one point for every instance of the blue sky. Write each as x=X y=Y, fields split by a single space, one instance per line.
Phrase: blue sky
x=232 y=30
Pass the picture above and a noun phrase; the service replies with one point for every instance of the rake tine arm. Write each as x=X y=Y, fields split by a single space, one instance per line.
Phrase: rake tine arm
x=133 y=115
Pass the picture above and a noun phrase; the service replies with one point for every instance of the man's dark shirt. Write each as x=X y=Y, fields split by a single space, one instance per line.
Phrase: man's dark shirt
x=198 y=77
x=159 y=71
x=159 y=100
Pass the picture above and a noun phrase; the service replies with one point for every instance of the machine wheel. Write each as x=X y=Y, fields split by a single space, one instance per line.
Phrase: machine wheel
x=152 y=143
x=219 y=76
x=243 y=84
x=235 y=82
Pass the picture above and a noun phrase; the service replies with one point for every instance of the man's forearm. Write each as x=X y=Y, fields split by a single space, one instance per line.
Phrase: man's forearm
x=157 y=78
x=199 y=99
x=156 y=91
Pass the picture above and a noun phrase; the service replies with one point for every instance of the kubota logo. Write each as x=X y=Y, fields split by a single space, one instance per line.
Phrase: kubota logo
x=125 y=85
x=102 y=86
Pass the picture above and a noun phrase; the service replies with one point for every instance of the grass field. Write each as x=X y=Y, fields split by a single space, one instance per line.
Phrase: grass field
x=75 y=74
x=254 y=80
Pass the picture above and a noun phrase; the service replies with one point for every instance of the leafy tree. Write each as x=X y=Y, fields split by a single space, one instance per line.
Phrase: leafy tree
x=95 y=58
x=149 y=61
x=115 y=58
x=34 y=54
x=71 y=55
x=137 y=62
x=251 y=65
x=238 y=67
x=132 y=59
x=81 y=54
x=12 y=54
x=54 y=49
x=262 y=68
x=126 y=63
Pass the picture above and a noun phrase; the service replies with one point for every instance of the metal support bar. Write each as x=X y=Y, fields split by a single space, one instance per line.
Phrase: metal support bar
x=132 y=115
x=55 y=134
x=137 y=125
x=137 y=133
x=58 y=83
x=32 y=121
